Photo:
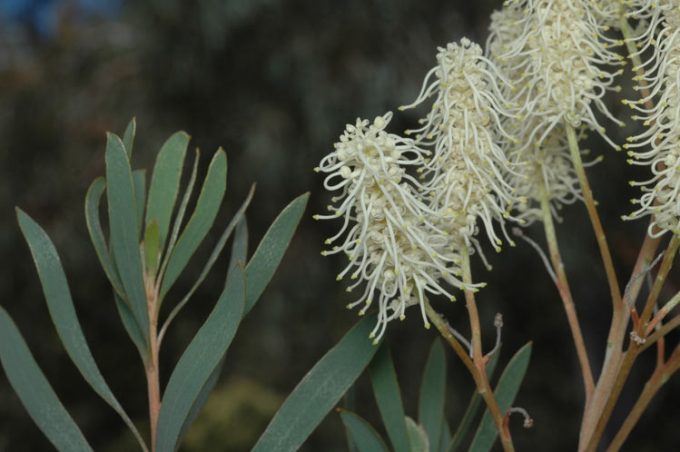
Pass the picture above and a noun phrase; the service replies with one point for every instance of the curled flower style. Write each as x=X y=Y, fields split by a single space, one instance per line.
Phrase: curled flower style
x=659 y=146
x=562 y=50
x=542 y=168
x=392 y=244
x=464 y=178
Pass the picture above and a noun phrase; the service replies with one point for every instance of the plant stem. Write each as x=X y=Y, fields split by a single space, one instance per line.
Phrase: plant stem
x=634 y=349
x=620 y=312
x=666 y=265
x=594 y=218
x=477 y=369
x=483 y=385
x=478 y=375
x=152 y=369
x=661 y=332
x=443 y=328
x=613 y=356
x=565 y=294
x=661 y=374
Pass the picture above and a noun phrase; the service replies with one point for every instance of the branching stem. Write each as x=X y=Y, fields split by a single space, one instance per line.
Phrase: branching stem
x=565 y=294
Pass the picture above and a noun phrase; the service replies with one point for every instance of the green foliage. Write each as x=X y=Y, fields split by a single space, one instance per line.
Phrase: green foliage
x=364 y=437
x=465 y=425
x=388 y=396
x=432 y=433
x=165 y=182
x=35 y=391
x=141 y=269
x=200 y=360
x=63 y=313
x=207 y=206
x=268 y=254
x=506 y=390
x=433 y=395
x=319 y=390
x=417 y=436
x=123 y=224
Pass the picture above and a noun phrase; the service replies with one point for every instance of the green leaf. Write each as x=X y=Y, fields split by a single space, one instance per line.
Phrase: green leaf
x=433 y=394
x=362 y=433
x=63 y=313
x=319 y=391
x=445 y=437
x=139 y=181
x=506 y=391
x=35 y=391
x=465 y=425
x=269 y=252
x=239 y=249
x=417 y=436
x=151 y=248
x=131 y=326
x=167 y=172
x=199 y=361
x=94 y=227
x=239 y=254
x=207 y=206
x=129 y=137
x=236 y=258
x=179 y=217
x=122 y=220
x=388 y=397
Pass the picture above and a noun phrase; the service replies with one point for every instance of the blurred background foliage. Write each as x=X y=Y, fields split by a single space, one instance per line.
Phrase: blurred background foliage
x=274 y=82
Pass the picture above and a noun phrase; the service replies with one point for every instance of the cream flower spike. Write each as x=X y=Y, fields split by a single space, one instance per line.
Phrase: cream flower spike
x=391 y=243
x=565 y=52
x=659 y=146
x=464 y=178
x=539 y=168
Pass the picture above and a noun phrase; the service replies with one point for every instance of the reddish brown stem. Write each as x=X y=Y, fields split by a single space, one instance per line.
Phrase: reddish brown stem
x=152 y=369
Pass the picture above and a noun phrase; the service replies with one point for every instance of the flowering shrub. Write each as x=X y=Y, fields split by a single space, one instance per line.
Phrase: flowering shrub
x=500 y=144
x=497 y=148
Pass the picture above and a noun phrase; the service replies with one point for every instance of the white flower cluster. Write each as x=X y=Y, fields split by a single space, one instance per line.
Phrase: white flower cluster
x=464 y=179
x=659 y=145
x=390 y=238
x=405 y=236
x=553 y=53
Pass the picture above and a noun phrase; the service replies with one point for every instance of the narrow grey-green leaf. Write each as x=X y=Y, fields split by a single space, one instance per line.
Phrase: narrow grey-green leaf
x=131 y=326
x=433 y=394
x=202 y=219
x=94 y=227
x=388 y=397
x=465 y=425
x=129 y=137
x=179 y=216
x=364 y=436
x=239 y=249
x=124 y=234
x=239 y=252
x=201 y=399
x=319 y=391
x=164 y=187
x=418 y=441
x=505 y=392
x=199 y=361
x=35 y=392
x=236 y=258
x=63 y=313
x=151 y=248
x=139 y=180
x=445 y=437
x=269 y=252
